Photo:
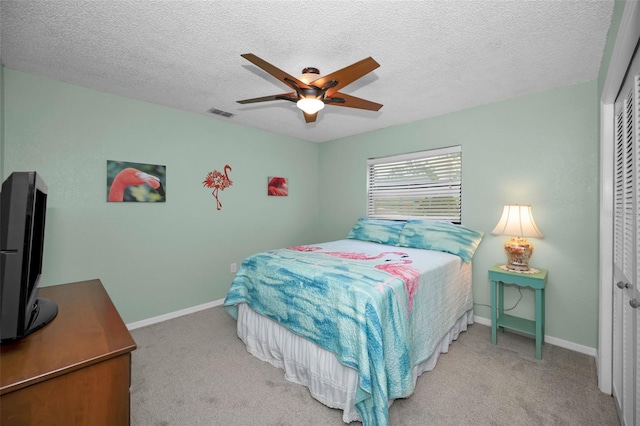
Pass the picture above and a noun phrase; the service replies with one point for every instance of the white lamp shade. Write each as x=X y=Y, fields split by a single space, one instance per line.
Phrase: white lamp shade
x=310 y=105
x=517 y=221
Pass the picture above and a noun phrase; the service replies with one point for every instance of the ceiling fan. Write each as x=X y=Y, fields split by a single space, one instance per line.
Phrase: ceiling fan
x=312 y=91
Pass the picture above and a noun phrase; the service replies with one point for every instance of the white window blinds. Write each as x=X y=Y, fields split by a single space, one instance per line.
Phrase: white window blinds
x=425 y=184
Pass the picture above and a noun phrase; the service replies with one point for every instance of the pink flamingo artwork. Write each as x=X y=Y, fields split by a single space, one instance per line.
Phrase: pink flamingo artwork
x=218 y=181
x=278 y=187
x=396 y=264
x=131 y=176
x=409 y=275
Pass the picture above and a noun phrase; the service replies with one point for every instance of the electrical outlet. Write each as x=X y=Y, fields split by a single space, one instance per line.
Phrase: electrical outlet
x=233 y=268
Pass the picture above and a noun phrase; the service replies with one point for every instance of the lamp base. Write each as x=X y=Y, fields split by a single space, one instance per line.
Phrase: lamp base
x=517 y=268
x=518 y=250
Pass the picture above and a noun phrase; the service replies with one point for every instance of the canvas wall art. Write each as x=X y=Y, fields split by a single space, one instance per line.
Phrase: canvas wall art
x=277 y=186
x=135 y=182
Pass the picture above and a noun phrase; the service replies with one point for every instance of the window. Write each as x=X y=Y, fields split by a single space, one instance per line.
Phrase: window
x=425 y=184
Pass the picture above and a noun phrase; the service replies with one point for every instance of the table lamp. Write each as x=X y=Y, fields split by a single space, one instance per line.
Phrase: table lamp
x=517 y=222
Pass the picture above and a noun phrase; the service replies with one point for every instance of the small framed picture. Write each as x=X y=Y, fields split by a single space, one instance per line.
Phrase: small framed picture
x=135 y=182
x=277 y=186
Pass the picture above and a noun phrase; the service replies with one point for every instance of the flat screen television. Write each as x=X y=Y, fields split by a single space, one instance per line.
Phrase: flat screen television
x=23 y=210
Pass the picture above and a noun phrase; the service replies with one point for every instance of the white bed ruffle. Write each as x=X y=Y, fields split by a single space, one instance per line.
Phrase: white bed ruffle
x=308 y=364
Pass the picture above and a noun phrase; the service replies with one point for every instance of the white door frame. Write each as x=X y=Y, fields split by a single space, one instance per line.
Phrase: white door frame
x=625 y=45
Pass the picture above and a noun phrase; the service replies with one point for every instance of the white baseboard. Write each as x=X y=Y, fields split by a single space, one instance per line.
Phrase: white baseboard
x=176 y=314
x=551 y=340
x=480 y=320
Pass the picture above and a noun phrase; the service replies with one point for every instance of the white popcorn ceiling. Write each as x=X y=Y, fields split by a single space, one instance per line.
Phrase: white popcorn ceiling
x=435 y=56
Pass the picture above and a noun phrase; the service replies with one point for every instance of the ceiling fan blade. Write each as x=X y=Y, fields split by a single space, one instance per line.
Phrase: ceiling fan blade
x=340 y=99
x=310 y=118
x=275 y=71
x=346 y=75
x=285 y=96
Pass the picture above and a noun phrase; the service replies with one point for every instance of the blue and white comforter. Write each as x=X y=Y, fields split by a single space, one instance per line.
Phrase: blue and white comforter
x=381 y=309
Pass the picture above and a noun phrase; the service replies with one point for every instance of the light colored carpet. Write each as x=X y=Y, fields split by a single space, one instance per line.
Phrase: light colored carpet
x=194 y=370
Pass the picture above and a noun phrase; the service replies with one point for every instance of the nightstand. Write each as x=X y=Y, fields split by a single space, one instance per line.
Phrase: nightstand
x=499 y=277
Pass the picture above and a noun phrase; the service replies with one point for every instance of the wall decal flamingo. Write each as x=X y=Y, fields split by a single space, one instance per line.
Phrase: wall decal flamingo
x=218 y=182
x=128 y=177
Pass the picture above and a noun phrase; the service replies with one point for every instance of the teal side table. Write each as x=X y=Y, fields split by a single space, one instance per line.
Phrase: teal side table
x=537 y=281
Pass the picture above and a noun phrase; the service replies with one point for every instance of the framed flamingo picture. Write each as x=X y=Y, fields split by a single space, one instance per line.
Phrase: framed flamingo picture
x=135 y=182
x=277 y=186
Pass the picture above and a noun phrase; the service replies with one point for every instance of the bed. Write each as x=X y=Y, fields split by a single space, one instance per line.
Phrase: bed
x=358 y=320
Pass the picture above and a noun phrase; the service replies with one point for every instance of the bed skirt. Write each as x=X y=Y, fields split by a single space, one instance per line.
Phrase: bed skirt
x=306 y=363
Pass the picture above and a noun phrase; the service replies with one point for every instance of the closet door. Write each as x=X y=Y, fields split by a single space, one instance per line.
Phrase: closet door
x=626 y=331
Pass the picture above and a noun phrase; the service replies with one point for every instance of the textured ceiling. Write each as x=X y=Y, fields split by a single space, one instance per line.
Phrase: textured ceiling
x=435 y=56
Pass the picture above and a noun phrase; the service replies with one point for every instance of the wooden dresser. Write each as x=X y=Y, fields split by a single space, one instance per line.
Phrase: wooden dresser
x=76 y=370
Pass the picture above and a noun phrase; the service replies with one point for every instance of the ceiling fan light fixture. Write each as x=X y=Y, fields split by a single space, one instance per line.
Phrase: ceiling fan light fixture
x=312 y=91
x=309 y=74
x=310 y=105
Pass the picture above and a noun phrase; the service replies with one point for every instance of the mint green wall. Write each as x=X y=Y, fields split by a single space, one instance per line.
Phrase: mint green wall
x=540 y=149
x=153 y=258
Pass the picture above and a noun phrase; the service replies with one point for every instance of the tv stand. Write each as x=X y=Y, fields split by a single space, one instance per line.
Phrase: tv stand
x=74 y=371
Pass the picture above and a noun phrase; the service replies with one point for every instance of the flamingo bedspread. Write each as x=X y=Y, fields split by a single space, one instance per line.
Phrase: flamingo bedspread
x=381 y=309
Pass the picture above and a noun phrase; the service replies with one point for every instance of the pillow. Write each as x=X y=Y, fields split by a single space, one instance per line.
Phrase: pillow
x=441 y=236
x=377 y=230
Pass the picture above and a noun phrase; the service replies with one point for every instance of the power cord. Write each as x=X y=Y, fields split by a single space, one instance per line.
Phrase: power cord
x=509 y=309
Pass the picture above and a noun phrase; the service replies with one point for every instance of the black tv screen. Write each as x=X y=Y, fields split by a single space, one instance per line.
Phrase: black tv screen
x=23 y=210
